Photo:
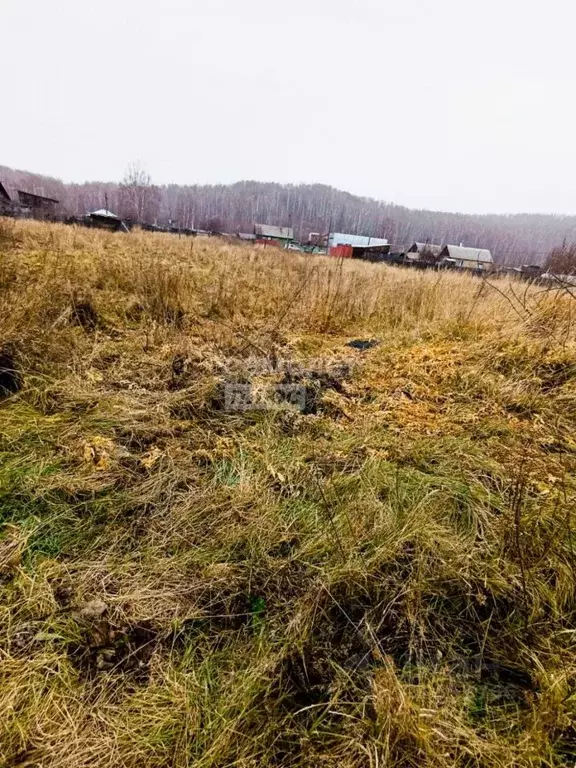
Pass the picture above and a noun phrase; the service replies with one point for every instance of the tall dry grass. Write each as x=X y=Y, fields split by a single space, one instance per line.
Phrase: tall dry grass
x=385 y=580
x=161 y=279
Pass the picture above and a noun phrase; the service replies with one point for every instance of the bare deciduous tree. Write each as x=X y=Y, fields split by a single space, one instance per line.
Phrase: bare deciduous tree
x=139 y=199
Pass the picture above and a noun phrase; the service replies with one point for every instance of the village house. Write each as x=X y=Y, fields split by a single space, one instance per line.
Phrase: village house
x=40 y=206
x=266 y=234
x=105 y=219
x=466 y=258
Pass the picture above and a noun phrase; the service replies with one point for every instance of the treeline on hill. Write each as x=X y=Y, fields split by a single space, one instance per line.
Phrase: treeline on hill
x=514 y=239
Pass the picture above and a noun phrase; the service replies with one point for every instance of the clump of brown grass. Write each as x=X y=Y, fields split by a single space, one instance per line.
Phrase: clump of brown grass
x=386 y=579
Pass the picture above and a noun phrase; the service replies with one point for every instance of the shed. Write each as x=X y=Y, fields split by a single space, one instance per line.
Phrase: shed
x=467 y=258
x=278 y=235
x=105 y=219
x=366 y=252
x=360 y=241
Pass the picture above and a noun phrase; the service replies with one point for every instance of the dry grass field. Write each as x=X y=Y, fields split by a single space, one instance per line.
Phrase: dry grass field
x=383 y=578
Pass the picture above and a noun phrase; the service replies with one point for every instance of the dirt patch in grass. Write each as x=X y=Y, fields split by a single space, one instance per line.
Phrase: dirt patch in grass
x=117 y=649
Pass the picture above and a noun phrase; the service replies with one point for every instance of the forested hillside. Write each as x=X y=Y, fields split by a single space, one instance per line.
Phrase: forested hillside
x=518 y=238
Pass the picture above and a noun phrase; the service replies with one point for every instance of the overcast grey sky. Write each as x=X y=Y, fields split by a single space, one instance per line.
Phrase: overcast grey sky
x=464 y=105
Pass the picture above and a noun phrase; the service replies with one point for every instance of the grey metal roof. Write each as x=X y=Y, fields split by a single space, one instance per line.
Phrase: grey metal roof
x=362 y=241
x=104 y=212
x=462 y=253
x=267 y=230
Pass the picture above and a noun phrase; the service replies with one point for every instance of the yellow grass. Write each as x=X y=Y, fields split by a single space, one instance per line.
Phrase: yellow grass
x=384 y=579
